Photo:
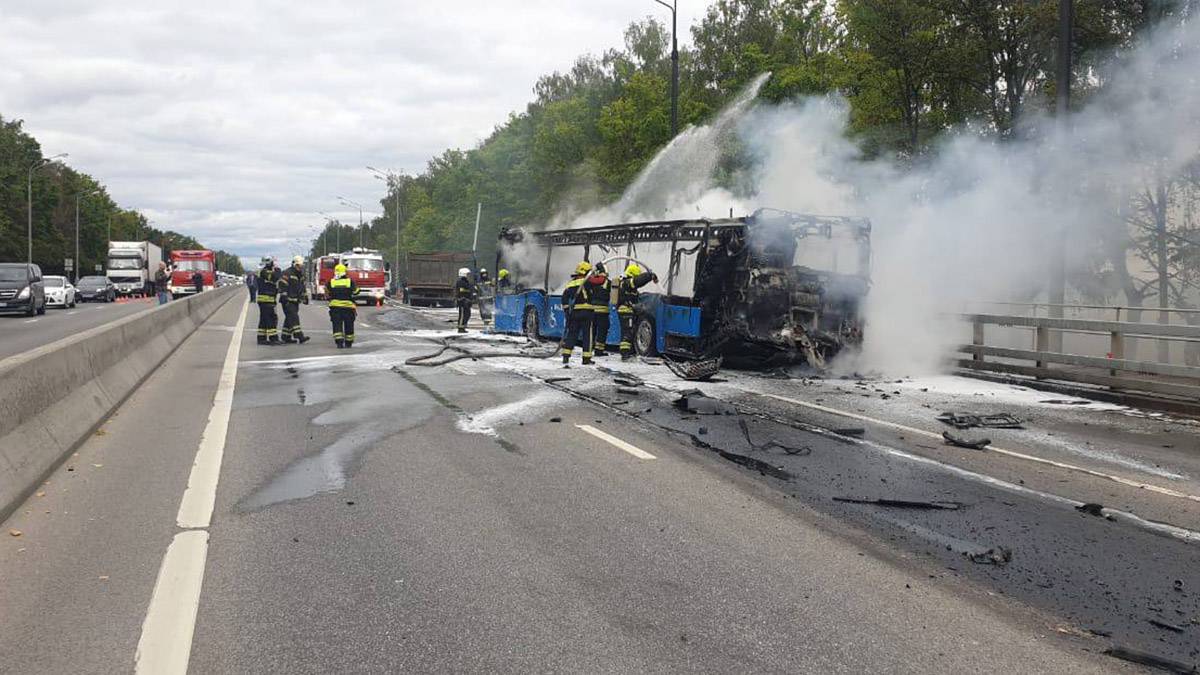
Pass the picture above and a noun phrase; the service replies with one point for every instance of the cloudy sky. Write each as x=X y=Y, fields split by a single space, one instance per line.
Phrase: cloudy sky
x=237 y=121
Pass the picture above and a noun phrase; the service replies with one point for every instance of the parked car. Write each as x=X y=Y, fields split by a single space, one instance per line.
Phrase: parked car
x=21 y=289
x=59 y=291
x=96 y=289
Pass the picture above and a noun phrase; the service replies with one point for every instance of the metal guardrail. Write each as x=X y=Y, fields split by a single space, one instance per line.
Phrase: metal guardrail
x=1113 y=370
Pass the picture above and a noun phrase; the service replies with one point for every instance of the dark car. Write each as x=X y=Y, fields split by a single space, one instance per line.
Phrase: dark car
x=96 y=289
x=21 y=289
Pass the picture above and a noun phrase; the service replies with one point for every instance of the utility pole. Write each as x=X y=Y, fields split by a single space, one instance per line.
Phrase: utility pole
x=29 y=225
x=1058 y=263
x=475 y=241
x=674 y=7
x=78 y=263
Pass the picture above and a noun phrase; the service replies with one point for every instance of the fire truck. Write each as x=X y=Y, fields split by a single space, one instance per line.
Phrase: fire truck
x=184 y=264
x=369 y=272
x=322 y=273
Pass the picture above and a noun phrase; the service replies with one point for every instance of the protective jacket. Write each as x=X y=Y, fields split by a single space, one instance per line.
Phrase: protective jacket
x=292 y=287
x=576 y=296
x=341 y=292
x=464 y=290
x=268 y=285
x=627 y=291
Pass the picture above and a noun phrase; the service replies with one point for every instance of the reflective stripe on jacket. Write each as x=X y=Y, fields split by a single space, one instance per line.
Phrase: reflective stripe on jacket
x=341 y=292
x=268 y=284
x=627 y=291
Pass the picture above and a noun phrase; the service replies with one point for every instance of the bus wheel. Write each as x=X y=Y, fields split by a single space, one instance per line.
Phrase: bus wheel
x=530 y=324
x=644 y=339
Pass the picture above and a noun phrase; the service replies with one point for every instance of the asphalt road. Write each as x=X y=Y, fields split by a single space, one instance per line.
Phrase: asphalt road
x=19 y=333
x=373 y=516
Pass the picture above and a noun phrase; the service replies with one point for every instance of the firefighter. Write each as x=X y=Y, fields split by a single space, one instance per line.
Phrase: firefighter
x=503 y=283
x=464 y=296
x=484 y=279
x=601 y=289
x=292 y=292
x=577 y=308
x=342 y=310
x=267 y=285
x=627 y=300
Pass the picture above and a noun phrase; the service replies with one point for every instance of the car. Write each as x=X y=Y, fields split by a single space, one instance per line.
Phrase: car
x=96 y=289
x=59 y=291
x=21 y=289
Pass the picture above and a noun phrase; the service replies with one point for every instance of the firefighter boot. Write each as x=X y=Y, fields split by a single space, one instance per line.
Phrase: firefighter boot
x=566 y=359
x=303 y=338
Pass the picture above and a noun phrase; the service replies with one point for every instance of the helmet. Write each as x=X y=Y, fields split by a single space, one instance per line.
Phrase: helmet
x=583 y=268
x=633 y=270
x=464 y=272
x=502 y=273
x=298 y=260
x=482 y=270
x=339 y=269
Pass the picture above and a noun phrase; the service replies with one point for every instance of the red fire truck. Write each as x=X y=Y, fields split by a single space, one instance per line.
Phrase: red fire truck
x=185 y=264
x=369 y=272
x=322 y=273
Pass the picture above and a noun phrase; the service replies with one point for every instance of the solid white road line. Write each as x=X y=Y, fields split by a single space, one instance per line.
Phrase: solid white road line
x=613 y=440
x=195 y=510
x=991 y=448
x=166 y=642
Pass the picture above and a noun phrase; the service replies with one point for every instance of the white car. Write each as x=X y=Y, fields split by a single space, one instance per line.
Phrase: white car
x=59 y=292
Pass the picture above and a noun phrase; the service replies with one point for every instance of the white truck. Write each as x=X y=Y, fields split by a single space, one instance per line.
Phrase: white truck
x=132 y=265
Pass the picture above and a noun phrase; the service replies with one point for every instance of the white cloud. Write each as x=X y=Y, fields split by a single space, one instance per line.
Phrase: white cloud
x=236 y=121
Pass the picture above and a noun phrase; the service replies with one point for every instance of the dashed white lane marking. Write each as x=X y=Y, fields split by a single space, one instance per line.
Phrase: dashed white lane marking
x=166 y=642
x=364 y=324
x=613 y=440
x=991 y=448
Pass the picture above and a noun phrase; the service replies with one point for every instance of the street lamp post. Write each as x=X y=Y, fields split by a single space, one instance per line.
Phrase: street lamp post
x=79 y=196
x=354 y=204
x=337 y=232
x=393 y=181
x=29 y=226
x=674 y=6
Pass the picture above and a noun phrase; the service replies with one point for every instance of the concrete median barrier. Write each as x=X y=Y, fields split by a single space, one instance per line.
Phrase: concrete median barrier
x=53 y=398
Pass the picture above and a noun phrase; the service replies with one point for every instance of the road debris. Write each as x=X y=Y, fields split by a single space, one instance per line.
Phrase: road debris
x=1165 y=626
x=998 y=556
x=964 y=442
x=629 y=390
x=787 y=449
x=1152 y=660
x=903 y=503
x=694 y=370
x=15 y=533
x=971 y=420
x=850 y=431
x=696 y=402
x=1092 y=509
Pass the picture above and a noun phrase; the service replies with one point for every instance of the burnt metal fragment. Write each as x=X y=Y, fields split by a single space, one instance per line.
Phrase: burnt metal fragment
x=964 y=442
x=999 y=556
x=757 y=447
x=696 y=402
x=698 y=370
x=903 y=503
x=1151 y=660
x=1165 y=626
x=971 y=420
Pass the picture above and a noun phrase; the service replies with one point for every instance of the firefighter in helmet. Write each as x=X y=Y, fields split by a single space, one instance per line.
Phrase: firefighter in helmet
x=464 y=296
x=342 y=310
x=267 y=285
x=627 y=300
x=577 y=308
x=601 y=288
x=503 y=283
x=292 y=292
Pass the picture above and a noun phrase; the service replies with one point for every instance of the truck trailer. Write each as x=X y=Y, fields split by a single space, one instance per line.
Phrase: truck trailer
x=430 y=277
x=131 y=266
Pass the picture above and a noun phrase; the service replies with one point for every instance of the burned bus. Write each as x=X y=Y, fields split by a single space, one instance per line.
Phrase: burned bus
x=771 y=288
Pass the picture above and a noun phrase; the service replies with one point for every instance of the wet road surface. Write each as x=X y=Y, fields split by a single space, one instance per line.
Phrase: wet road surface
x=372 y=516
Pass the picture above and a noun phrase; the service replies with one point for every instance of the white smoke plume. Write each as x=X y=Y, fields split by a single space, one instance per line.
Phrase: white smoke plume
x=975 y=220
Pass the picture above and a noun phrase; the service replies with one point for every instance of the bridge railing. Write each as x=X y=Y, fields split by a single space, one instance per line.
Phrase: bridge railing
x=1111 y=369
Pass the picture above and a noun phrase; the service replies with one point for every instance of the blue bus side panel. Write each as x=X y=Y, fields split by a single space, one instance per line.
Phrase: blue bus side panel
x=681 y=320
x=510 y=309
x=551 y=322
